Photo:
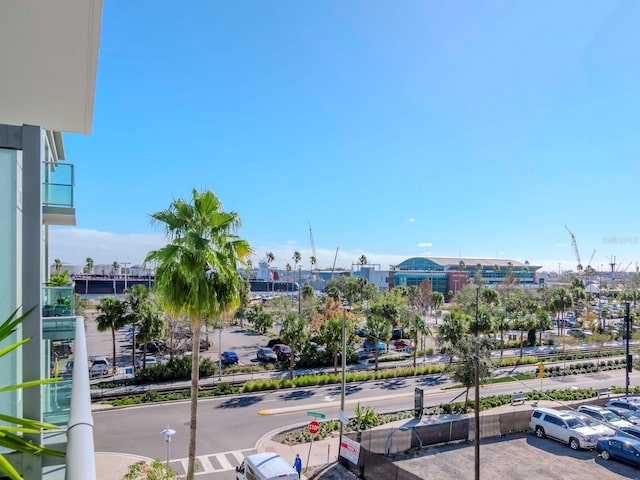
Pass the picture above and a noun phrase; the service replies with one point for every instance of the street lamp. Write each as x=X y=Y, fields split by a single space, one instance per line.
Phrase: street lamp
x=477 y=390
x=344 y=374
x=168 y=433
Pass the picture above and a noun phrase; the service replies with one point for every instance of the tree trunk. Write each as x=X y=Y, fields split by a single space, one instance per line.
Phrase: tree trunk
x=291 y=361
x=193 y=421
x=521 y=340
x=113 y=343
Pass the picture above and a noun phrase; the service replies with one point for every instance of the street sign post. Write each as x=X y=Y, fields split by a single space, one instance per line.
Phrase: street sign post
x=316 y=414
x=314 y=427
x=342 y=417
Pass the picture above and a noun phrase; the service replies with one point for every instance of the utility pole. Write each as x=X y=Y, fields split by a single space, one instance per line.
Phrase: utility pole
x=477 y=391
x=629 y=357
x=124 y=269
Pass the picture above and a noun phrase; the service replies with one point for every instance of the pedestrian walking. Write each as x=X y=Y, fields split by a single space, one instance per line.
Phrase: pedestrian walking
x=297 y=464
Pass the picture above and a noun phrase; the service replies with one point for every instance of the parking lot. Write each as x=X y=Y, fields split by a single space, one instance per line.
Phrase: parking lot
x=521 y=456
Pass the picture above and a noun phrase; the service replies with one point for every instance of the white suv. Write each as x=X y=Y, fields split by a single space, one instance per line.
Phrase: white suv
x=604 y=415
x=562 y=426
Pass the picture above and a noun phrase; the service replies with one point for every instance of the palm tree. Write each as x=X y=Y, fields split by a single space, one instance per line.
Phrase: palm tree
x=363 y=260
x=57 y=264
x=437 y=299
x=89 y=265
x=453 y=327
x=417 y=326
x=270 y=258
x=296 y=260
x=151 y=321
x=111 y=317
x=294 y=334
x=501 y=323
x=378 y=330
x=116 y=267
x=313 y=260
x=136 y=297
x=197 y=273
x=88 y=269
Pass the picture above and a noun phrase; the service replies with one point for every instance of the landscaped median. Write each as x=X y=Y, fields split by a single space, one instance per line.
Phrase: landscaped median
x=225 y=388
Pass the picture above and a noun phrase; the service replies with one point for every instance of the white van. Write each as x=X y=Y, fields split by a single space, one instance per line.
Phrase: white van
x=265 y=466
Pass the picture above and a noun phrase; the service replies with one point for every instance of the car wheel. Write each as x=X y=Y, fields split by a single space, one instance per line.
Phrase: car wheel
x=574 y=443
x=540 y=432
x=605 y=455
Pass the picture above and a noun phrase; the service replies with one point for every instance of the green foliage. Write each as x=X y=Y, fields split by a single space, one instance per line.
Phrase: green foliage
x=178 y=368
x=156 y=470
x=13 y=429
x=59 y=279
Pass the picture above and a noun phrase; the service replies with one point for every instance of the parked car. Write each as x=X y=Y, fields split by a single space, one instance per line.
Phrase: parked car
x=99 y=366
x=602 y=429
x=154 y=346
x=630 y=431
x=382 y=347
x=604 y=415
x=229 y=357
x=628 y=415
x=630 y=403
x=147 y=361
x=282 y=351
x=403 y=344
x=266 y=354
x=621 y=448
x=564 y=427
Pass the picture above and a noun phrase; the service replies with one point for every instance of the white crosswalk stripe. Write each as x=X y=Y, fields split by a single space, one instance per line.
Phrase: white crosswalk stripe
x=208 y=463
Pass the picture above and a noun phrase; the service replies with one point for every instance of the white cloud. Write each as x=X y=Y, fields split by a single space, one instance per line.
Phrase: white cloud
x=74 y=245
x=425 y=245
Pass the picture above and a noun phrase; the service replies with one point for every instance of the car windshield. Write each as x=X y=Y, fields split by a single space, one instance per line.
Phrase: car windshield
x=610 y=416
x=573 y=422
x=590 y=422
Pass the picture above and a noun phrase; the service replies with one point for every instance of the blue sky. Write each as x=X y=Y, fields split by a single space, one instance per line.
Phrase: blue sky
x=473 y=129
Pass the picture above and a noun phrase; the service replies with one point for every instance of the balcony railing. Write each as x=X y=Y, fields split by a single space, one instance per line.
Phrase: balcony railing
x=57 y=184
x=57 y=301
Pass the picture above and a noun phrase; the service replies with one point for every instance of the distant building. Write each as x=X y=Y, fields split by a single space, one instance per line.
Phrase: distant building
x=448 y=274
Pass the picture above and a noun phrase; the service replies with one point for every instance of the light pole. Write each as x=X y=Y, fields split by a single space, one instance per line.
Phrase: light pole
x=219 y=351
x=168 y=433
x=344 y=372
x=477 y=391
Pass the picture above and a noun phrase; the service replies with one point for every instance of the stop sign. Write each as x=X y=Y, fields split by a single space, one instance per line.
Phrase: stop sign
x=314 y=427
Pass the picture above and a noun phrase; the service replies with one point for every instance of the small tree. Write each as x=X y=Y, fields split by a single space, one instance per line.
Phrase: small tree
x=378 y=330
x=294 y=333
x=463 y=371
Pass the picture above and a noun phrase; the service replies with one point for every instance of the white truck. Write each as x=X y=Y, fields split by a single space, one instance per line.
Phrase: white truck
x=265 y=466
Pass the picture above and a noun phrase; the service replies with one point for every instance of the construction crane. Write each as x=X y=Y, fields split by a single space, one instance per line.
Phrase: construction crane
x=334 y=263
x=575 y=249
x=591 y=259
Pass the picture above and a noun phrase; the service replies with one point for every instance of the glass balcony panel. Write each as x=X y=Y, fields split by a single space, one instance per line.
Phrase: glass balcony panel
x=57 y=301
x=57 y=184
x=59 y=341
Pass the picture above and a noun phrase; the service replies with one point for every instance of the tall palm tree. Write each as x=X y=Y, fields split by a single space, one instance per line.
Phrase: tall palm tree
x=313 y=260
x=363 y=260
x=89 y=263
x=57 y=264
x=437 y=299
x=296 y=260
x=116 y=267
x=417 y=326
x=270 y=259
x=151 y=321
x=88 y=269
x=136 y=297
x=332 y=336
x=197 y=273
x=111 y=317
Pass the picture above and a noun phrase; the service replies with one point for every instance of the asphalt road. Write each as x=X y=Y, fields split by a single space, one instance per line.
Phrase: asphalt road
x=236 y=423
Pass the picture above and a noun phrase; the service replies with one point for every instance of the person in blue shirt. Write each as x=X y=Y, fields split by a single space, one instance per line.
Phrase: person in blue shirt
x=297 y=464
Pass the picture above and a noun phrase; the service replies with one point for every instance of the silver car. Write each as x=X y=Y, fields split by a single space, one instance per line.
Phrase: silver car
x=563 y=426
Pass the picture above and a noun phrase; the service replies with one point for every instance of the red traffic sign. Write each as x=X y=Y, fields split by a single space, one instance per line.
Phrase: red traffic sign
x=314 y=427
